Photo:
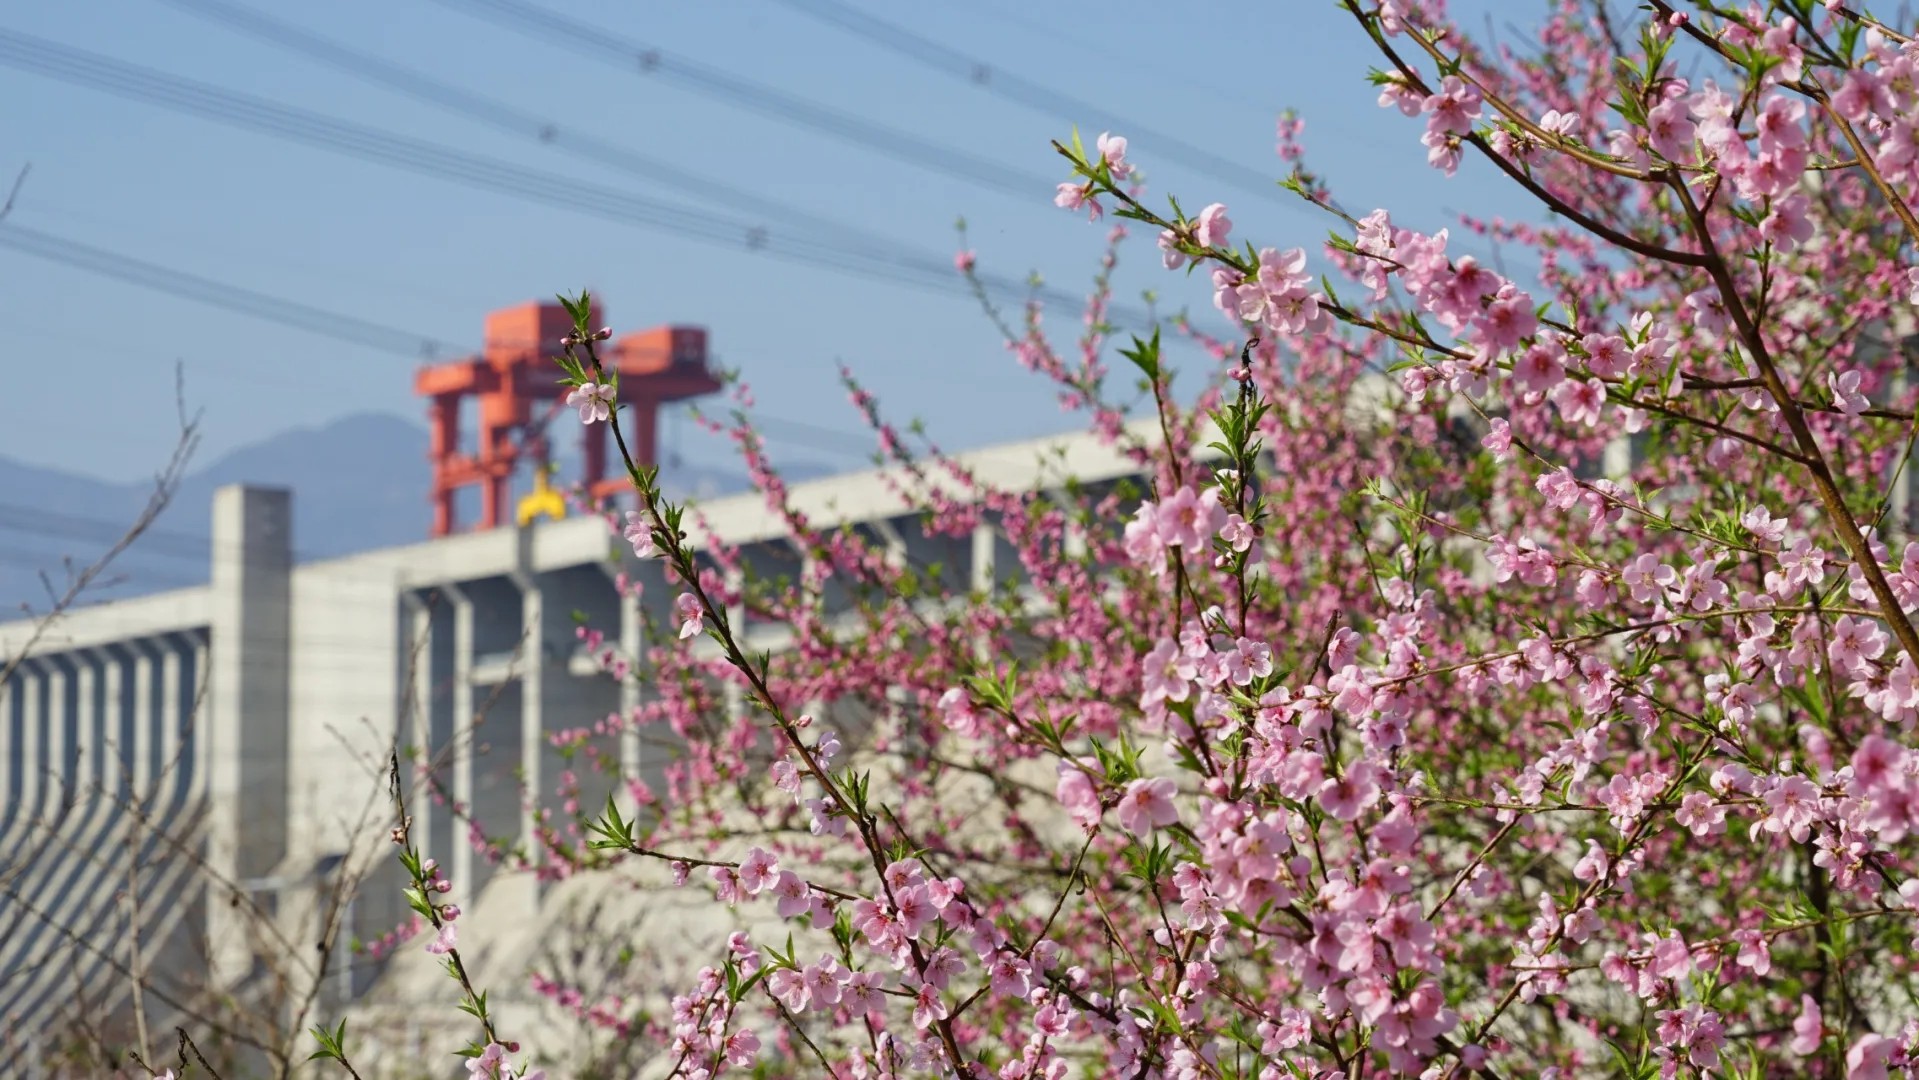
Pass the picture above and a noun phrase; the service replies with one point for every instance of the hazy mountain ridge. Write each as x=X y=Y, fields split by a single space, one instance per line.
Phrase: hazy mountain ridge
x=359 y=483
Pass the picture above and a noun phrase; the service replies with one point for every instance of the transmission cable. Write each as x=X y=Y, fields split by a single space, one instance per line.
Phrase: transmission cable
x=1005 y=84
x=503 y=116
x=218 y=294
x=128 y=80
x=641 y=58
x=314 y=320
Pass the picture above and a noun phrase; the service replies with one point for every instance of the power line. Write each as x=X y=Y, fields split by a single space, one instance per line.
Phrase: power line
x=61 y=62
x=219 y=294
x=641 y=58
x=36 y=519
x=1187 y=77
x=314 y=320
x=503 y=116
x=1005 y=84
x=799 y=432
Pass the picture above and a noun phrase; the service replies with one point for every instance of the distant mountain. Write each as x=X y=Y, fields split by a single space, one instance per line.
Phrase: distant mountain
x=359 y=483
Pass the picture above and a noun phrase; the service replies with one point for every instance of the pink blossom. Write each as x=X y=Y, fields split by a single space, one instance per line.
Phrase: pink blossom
x=1345 y=796
x=692 y=615
x=1845 y=392
x=1852 y=642
x=1670 y=957
x=1860 y=93
x=640 y=535
x=1077 y=794
x=1168 y=674
x=1755 y=955
x=727 y=884
x=1763 y=525
x=1237 y=532
x=1787 y=226
x=1708 y=309
x=757 y=871
x=915 y=911
x=1808 y=1028
x=1541 y=367
x=1793 y=805
x=1442 y=151
x=928 y=1008
x=741 y=1048
x=445 y=941
x=790 y=988
x=956 y=707
x=593 y=400
x=1669 y=130
x=822 y=981
x=862 y=994
x=1211 y=227
x=1011 y=976
x=1112 y=150
x=1072 y=196
x=1870 y=1057
x=1499 y=440
x=1452 y=110
x=1700 y=814
x=792 y=893
x=1579 y=400
x=1171 y=256
x=1147 y=805
x=1560 y=123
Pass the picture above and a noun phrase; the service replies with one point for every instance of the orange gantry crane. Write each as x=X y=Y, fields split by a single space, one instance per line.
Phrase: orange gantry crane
x=514 y=370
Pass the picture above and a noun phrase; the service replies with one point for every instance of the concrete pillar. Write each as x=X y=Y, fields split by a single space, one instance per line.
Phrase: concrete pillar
x=985 y=566
x=1900 y=524
x=895 y=543
x=59 y=764
x=116 y=749
x=24 y=803
x=983 y=557
x=173 y=719
x=532 y=696
x=633 y=647
x=1073 y=542
x=735 y=690
x=1617 y=461
x=243 y=741
x=88 y=750
x=417 y=716
x=9 y=788
x=146 y=736
x=460 y=858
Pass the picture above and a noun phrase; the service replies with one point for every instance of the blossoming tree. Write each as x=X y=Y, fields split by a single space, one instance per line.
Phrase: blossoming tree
x=1492 y=675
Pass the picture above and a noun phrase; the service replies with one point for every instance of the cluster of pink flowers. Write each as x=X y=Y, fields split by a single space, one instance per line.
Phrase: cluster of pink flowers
x=491 y=1064
x=1188 y=520
x=384 y=946
x=447 y=938
x=1562 y=699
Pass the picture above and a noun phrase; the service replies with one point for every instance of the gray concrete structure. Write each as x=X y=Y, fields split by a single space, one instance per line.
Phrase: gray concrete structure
x=218 y=752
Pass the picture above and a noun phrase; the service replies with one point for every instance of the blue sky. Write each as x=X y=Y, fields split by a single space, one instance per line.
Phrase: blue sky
x=88 y=365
